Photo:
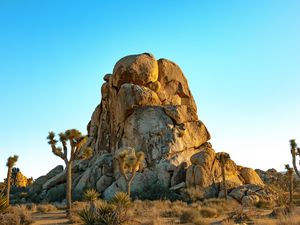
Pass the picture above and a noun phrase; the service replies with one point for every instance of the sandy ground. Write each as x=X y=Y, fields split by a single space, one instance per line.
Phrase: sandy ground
x=51 y=218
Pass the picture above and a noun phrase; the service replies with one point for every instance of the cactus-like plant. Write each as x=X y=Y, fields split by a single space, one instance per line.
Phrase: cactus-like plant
x=290 y=173
x=295 y=152
x=11 y=162
x=223 y=158
x=77 y=152
x=129 y=162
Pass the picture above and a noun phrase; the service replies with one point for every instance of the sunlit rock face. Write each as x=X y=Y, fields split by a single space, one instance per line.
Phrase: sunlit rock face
x=146 y=104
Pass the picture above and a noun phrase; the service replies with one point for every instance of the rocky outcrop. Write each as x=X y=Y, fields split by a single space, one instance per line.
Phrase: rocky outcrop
x=146 y=104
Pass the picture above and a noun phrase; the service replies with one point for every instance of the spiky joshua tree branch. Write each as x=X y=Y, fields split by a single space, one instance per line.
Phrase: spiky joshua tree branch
x=77 y=152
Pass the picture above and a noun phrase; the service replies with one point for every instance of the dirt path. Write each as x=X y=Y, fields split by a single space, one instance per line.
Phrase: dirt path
x=51 y=218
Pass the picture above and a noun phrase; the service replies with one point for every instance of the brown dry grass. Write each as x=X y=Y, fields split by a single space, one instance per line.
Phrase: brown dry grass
x=44 y=208
x=16 y=215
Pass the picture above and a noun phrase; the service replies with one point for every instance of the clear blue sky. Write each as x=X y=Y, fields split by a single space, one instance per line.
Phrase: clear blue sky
x=242 y=60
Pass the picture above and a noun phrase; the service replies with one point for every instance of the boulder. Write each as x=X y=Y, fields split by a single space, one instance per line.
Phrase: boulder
x=251 y=200
x=103 y=183
x=136 y=69
x=250 y=176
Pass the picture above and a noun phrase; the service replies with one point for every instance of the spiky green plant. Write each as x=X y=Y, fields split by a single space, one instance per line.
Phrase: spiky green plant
x=11 y=162
x=223 y=158
x=3 y=203
x=290 y=173
x=295 y=152
x=121 y=199
x=78 y=151
x=129 y=162
x=87 y=216
x=113 y=212
x=91 y=195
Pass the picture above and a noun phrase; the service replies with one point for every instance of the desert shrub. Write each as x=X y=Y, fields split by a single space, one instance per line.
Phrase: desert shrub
x=46 y=208
x=239 y=216
x=91 y=195
x=156 y=191
x=107 y=213
x=31 y=207
x=289 y=220
x=220 y=205
x=121 y=199
x=201 y=222
x=9 y=219
x=281 y=211
x=228 y=222
x=16 y=215
x=265 y=204
x=194 y=194
x=190 y=215
x=208 y=212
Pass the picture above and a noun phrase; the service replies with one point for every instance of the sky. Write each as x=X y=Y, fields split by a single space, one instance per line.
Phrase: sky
x=241 y=58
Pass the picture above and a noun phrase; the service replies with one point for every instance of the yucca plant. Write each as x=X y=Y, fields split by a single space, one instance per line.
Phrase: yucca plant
x=91 y=195
x=223 y=158
x=87 y=216
x=130 y=162
x=121 y=199
x=3 y=203
x=113 y=212
x=77 y=152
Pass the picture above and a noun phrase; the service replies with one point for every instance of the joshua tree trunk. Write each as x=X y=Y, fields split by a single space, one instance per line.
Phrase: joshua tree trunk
x=291 y=188
x=8 y=184
x=224 y=179
x=129 y=184
x=294 y=164
x=69 y=187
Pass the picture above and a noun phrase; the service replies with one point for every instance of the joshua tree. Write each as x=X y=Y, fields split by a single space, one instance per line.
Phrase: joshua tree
x=11 y=161
x=223 y=158
x=130 y=162
x=290 y=173
x=77 y=152
x=295 y=152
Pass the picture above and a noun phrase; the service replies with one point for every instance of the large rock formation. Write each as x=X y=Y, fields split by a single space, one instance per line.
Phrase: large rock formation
x=147 y=105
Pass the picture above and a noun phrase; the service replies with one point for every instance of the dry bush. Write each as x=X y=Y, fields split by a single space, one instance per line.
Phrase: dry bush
x=221 y=205
x=289 y=220
x=44 y=208
x=208 y=212
x=265 y=204
x=201 y=222
x=228 y=222
x=175 y=209
x=16 y=215
x=159 y=221
x=194 y=194
x=190 y=215
x=9 y=219
x=31 y=207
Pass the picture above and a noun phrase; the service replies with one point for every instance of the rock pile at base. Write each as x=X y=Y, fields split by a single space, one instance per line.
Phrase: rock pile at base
x=146 y=104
